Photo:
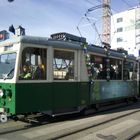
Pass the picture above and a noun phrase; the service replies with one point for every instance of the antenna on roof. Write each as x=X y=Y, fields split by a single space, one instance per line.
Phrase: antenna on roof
x=20 y=31
x=12 y=29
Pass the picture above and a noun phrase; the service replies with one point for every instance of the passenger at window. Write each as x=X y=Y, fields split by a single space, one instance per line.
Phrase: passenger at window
x=112 y=72
x=69 y=74
x=26 y=73
x=39 y=72
x=134 y=75
x=95 y=70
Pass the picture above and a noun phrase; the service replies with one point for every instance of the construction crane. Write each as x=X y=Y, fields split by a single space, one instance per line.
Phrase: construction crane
x=106 y=21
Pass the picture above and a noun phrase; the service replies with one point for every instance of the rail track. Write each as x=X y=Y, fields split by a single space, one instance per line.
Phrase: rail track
x=111 y=119
x=134 y=136
x=67 y=126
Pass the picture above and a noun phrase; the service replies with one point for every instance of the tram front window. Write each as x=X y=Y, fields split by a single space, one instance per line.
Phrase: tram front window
x=7 y=65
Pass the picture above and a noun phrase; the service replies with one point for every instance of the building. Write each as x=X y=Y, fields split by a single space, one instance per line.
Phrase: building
x=125 y=30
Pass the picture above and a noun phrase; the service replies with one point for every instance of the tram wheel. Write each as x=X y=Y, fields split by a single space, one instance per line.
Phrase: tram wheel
x=97 y=106
x=135 y=99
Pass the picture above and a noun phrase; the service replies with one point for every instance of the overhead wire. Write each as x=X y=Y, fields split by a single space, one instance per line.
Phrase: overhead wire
x=90 y=2
x=124 y=1
x=113 y=34
x=93 y=24
x=90 y=23
x=94 y=27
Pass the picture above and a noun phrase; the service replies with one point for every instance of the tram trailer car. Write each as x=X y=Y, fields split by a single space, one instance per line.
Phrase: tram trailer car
x=61 y=75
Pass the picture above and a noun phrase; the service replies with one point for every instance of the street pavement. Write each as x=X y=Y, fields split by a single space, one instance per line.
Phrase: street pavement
x=100 y=126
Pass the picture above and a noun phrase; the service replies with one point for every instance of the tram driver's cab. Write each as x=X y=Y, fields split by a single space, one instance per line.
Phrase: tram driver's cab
x=8 y=60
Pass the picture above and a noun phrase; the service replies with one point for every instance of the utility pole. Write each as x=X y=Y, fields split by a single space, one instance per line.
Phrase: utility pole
x=106 y=20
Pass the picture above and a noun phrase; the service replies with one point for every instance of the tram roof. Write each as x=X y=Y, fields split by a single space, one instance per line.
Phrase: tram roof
x=61 y=44
x=114 y=53
x=41 y=41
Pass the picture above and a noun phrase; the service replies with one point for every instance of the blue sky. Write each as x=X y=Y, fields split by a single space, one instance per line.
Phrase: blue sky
x=44 y=17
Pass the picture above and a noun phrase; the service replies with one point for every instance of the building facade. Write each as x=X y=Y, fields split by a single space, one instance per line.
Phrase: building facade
x=125 y=30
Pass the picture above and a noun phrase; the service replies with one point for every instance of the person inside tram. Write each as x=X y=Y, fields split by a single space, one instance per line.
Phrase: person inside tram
x=70 y=73
x=26 y=72
x=126 y=74
x=39 y=72
x=95 y=70
x=112 y=72
x=134 y=75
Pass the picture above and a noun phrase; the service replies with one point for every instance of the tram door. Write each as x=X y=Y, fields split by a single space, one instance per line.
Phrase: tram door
x=64 y=87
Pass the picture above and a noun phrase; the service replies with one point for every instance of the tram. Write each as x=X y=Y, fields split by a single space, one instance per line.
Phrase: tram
x=61 y=75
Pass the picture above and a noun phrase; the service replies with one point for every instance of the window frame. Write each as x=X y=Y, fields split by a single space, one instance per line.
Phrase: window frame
x=132 y=72
x=119 y=39
x=23 y=47
x=75 y=65
x=120 y=19
x=111 y=57
x=119 y=29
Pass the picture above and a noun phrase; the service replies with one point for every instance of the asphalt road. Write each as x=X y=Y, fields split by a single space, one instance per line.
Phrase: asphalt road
x=123 y=128
x=117 y=124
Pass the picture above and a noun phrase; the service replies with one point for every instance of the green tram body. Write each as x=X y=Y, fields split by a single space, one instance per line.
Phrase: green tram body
x=57 y=96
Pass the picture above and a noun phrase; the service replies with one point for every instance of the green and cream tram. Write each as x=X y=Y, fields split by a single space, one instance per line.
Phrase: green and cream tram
x=57 y=76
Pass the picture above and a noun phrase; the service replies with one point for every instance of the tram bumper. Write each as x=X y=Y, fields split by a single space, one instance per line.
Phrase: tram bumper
x=3 y=115
x=3 y=118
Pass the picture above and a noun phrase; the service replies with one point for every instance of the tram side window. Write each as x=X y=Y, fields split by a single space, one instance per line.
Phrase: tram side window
x=129 y=71
x=99 y=69
x=63 y=65
x=33 y=64
x=115 y=69
x=135 y=72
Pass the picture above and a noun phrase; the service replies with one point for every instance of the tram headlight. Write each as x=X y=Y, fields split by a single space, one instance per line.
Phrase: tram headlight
x=1 y=93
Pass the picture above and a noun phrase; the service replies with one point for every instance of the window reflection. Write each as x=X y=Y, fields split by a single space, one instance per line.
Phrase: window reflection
x=33 y=64
x=63 y=65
